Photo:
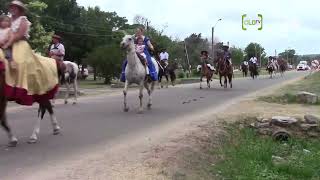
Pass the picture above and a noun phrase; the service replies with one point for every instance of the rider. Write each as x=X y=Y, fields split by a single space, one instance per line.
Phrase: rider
x=164 y=57
x=36 y=79
x=226 y=55
x=152 y=69
x=254 y=61
x=57 y=50
x=205 y=58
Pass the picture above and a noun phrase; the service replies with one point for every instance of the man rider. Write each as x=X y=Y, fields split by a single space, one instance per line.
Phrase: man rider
x=164 y=57
x=57 y=50
x=226 y=55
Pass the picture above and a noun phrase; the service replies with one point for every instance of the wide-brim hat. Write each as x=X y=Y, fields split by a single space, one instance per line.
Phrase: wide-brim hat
x=56 y=37
x=204 y=53
x=19 y=4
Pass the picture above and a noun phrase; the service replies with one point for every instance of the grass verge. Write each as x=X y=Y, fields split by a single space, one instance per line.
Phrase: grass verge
x=245 y=155
x=288 y=93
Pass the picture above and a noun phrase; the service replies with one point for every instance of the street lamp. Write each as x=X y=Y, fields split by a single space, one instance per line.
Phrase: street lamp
x=212 y=48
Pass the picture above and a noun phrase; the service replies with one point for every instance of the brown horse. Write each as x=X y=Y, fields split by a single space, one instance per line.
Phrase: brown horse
x=205 y=72
x=283 y=65
x=44 y=105
x=225 y=70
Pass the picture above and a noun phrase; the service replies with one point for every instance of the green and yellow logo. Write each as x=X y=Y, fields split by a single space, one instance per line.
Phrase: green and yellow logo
x=252 y=22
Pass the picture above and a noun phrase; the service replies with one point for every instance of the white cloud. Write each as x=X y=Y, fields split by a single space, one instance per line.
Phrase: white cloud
x=286 y=23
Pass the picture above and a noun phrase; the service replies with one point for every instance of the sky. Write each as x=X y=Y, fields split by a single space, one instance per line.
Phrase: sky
x=287 y=24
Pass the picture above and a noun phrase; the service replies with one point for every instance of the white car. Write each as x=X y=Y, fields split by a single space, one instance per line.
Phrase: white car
x=302 y=67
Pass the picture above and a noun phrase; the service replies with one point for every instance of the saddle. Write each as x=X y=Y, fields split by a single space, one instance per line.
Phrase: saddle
x=142 y=60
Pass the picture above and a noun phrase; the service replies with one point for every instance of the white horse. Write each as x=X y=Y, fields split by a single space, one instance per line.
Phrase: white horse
x=70 y=78
x=315 y=66
x=136 y=73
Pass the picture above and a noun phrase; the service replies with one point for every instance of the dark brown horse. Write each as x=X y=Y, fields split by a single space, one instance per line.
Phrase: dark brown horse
x=244 y=69
x=253 y=68
x=205 y=72
x=225 y=70
x=44 y=105
x=167 y=71
x=283 y=65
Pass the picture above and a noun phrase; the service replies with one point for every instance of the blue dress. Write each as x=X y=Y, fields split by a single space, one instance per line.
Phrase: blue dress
x=152 y=70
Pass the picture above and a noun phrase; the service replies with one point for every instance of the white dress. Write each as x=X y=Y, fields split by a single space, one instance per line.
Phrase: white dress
x=16 y=24
x=4 y=35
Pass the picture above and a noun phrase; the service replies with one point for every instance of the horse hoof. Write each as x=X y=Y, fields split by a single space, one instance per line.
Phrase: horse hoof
x=140 y=112
x=200 y=87
x=74 y=103
x=56 y=131
x=161 y=86
x=13 y=143
x=32 y=141
x=149 y=106
x=65 y=102
x=126 y=109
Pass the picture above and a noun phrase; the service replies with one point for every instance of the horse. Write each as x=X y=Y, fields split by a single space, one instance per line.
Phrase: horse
x=315 y=65
x=253 y=70
x=283 y=65
x=136 y=73
x=167 y=71
x=244 y=69
x=271 y=69
x=205 y=72
x=71 y=77
x=225 y=70
x=44 y=106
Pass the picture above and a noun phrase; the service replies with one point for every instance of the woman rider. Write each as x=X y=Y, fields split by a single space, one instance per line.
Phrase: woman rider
x=152 y=70
x=36 y=77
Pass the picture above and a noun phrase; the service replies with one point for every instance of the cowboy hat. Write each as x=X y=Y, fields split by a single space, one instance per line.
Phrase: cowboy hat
x=56 y=37
x=18 y=4
x=204 y=52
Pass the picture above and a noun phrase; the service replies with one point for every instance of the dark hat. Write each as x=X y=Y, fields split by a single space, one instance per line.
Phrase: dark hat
x=204 y=53
x=56 y=37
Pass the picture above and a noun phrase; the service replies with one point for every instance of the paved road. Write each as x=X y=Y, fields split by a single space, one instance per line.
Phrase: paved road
x=100 y=119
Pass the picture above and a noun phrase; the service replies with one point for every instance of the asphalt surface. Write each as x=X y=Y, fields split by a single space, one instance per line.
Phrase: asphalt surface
x=100 y=119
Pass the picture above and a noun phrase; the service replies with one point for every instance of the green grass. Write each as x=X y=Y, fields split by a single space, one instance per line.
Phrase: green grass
x=247 y=156
x=288 y=93
x=91 y=84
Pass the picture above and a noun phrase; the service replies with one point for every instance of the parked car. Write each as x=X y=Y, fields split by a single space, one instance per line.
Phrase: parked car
x=303 y=67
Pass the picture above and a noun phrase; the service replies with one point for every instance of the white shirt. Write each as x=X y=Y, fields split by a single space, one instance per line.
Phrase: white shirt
x=245 y=63
x=254 y=60
x=164 y=56
x=58 y=48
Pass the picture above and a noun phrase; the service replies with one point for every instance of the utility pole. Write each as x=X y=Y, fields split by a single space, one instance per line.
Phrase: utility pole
x=187 y=56
x=212 y=48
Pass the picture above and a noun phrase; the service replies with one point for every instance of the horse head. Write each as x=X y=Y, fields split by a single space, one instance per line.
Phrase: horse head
x=127 y=43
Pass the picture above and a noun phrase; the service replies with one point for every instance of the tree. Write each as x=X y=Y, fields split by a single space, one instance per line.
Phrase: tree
x=107 y=60
x=253 y=50
x=289 y=55
x=237 y=55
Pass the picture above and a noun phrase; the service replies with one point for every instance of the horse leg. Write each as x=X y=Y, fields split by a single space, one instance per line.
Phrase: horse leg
x=160 y=81
x=225 y=81
x=230 y=80
x=167 y=78
x=75 y=87
x=201 y=82
x=67 y=93
x=221 y=81
x=125 y=90
x=208 y=83
x=140 y=111
x=13 y=141
x=149 y=90
x=45 y=106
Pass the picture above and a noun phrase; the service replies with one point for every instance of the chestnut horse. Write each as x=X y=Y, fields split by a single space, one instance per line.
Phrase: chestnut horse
x=44 y=106
x=225 y=70
x=205 y=72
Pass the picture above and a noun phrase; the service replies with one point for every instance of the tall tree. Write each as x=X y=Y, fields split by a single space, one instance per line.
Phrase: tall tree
x=237 y=55
x=254 y=50
x=289 y=55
